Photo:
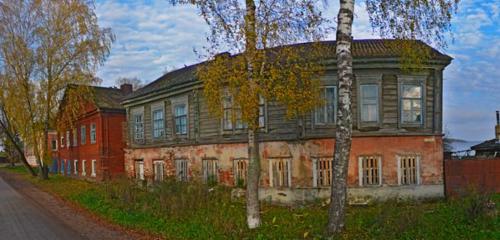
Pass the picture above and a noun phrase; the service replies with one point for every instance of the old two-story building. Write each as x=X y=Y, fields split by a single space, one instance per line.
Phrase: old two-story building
x=397 y=147
x=94 y=147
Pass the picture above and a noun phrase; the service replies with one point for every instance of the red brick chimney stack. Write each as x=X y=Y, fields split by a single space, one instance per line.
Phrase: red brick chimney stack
x=497 y=127
x=126 y=88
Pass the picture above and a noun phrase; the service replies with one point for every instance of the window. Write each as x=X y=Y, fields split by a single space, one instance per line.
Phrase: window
x=68 y=144
x=75 y=138
x=181 y=169
x=180 y=116
x=408 y=169
x=369 y=103
x=411 y=101
x=62 y=141
x=83 y=134
x=262 y=112
x=370 y=170
x=323 y=175
x=138 y=127
x=75 y=163
x=158 y=170
x=53 y=144
x=158 y=123
x=84 y=170
x=92 y=133
x=326 y=114
x=62 y=166
x=279 y=172
x=210 y=171
x=240 y=166
x=139 y=170
x=68 y=165
x=232 y=114
x=93 y=173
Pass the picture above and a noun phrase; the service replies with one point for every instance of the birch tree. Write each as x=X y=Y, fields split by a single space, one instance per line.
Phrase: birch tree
x=258 y=66
x=427 y=20
x=46 y=45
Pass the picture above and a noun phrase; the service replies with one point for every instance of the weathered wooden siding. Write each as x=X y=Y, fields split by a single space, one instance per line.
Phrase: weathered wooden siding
x=205 y=128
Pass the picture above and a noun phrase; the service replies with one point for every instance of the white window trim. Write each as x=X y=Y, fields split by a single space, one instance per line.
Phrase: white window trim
x=204 y=162
x=235 y=169
x=315 y=169
x=177 y=167
x=54 y=149
x=360 y=171
x=68 y=139
x=84 y=171
x=93 y=168
x=75 y=166
x=398 y=159
x=61 y=143
x=289 y=169
x=140 y=171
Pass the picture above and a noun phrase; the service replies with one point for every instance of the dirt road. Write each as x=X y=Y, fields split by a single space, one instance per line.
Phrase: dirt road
x=26 y=212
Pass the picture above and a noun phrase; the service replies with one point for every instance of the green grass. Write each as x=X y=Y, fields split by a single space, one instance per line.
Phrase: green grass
x=180 y=211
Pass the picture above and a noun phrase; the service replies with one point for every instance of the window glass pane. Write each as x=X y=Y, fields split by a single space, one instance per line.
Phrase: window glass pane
x=369 y=113
x=369 y=91
x=406 y=105
x=416 y=104
x=412 y=91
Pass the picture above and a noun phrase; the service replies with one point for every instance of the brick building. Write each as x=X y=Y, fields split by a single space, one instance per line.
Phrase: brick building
x=397 y=147
x=93 y=148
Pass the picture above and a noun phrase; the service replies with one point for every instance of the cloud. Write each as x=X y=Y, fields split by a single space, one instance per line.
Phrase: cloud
x=153 y=36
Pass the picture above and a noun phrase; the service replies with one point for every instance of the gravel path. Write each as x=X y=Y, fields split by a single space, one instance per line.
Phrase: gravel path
x=26 y=212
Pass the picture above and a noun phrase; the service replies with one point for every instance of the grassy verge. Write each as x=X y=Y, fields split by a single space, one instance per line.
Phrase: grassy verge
x=195 y=211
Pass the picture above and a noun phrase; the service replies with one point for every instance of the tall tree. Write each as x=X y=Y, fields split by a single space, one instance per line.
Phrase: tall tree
x=260 y=67
x=427 y=20
x=46 y=45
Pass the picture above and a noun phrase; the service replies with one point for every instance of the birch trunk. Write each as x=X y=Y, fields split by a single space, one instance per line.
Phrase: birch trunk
x=18 y=149
x=336 y=214
x=253 y=204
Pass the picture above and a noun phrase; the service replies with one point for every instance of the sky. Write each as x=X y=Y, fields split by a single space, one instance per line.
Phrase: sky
x=153 y=37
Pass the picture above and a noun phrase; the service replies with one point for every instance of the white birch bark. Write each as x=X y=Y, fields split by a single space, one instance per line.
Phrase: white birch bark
x=336 y=214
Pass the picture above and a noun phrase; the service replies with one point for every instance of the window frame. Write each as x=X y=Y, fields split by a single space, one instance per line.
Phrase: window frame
x=175 y=102
x=182 y=164
x=140 y=176
x=68 y=139
x=418 y=159
x=288 y=161
x=52 y=145
x=362 y=103
x=205 y=170
x=413 y=80
x=93 y=167
x=75 y=166
x=158 y=132
x=84 y=169
x=317 y=172
x=155 y=168
x=83 y=134
x=238 y=125
x=237 y=172
x=325 y=108
x=93 y=133
x=75 y=137
x=361 y=170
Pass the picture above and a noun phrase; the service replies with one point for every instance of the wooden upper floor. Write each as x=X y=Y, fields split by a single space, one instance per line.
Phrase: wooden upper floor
x=386 y=101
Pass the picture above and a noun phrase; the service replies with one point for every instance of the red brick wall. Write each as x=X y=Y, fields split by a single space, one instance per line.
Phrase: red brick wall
x=107 y=150
x=481 y=174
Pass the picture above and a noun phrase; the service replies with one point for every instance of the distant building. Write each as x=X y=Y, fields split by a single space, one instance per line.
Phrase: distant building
x=94 y=147
x=490 y=148
x=30 y=154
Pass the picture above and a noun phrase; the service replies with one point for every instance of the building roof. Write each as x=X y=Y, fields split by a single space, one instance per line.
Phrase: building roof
x=367 y=48
x=490 y=145
x=108 y=97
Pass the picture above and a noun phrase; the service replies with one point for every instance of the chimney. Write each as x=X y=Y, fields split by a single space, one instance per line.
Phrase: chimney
x=497 y=127
x=126 y=88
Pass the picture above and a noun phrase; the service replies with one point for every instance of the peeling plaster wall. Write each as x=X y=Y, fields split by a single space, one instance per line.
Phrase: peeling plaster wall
x=301 y=153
